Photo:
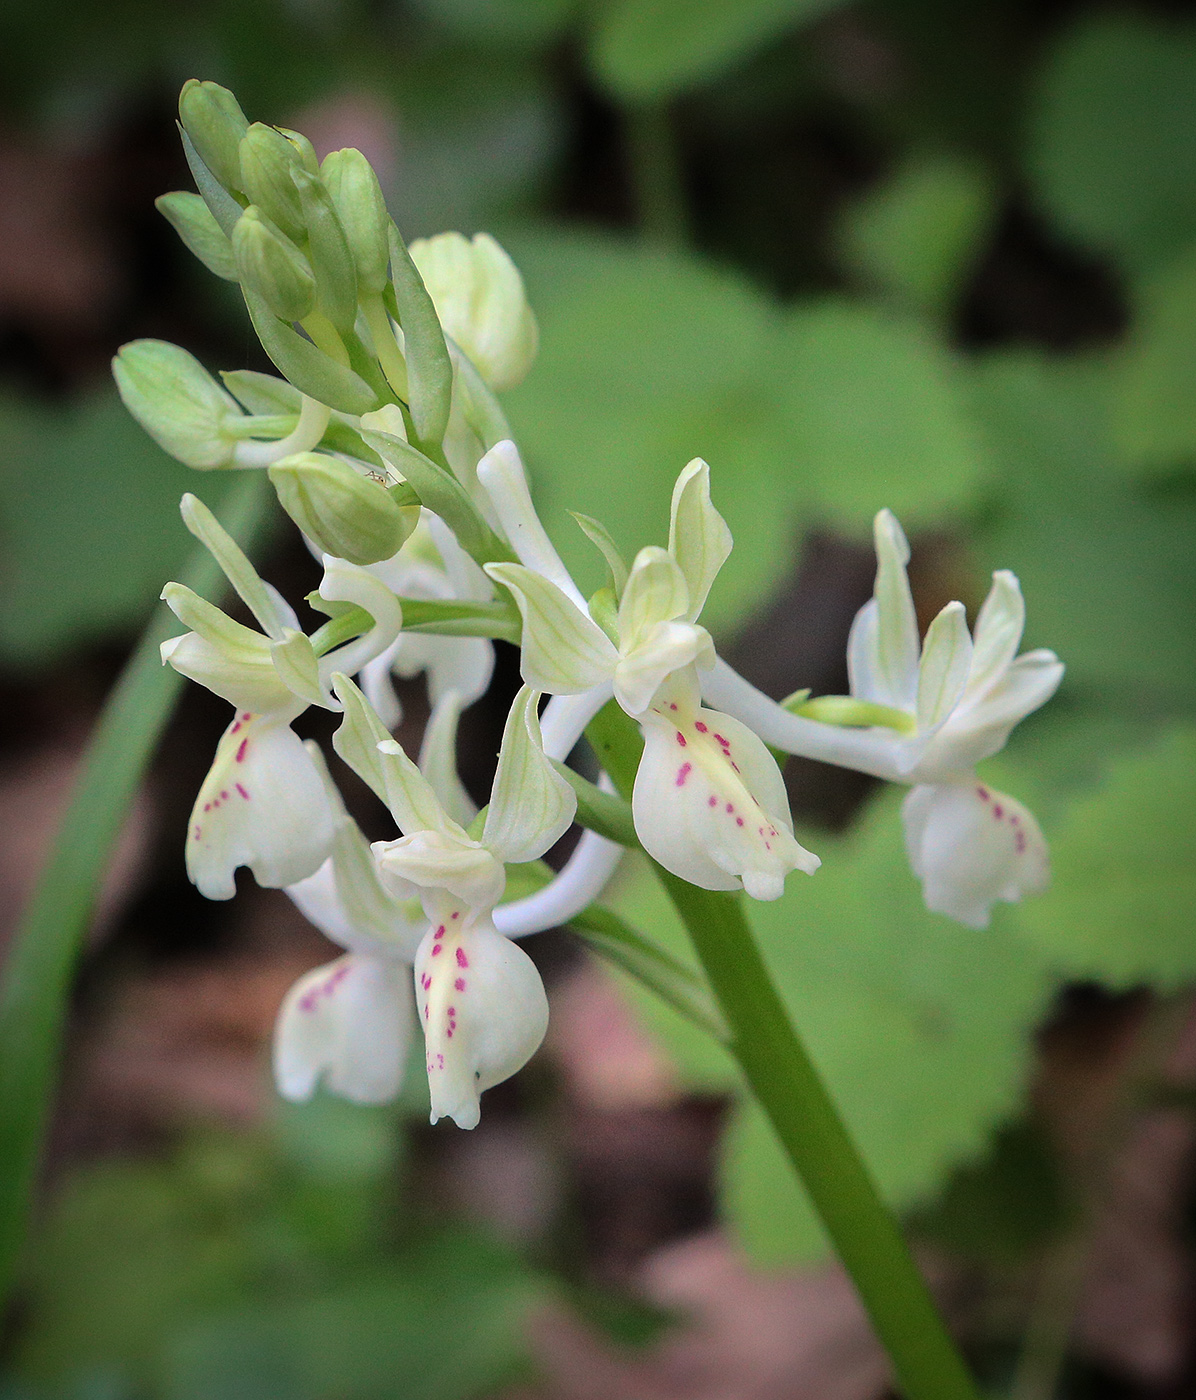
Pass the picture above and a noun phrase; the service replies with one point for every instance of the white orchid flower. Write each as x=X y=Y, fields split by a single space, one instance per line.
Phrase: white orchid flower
x=262 y=803
x=431 y=564
x=926 y=713
x=709 y=802
x=480 y=999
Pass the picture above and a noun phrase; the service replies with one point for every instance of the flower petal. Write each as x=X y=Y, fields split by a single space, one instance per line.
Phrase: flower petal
x=895 y=661
x=656 y=592
x=484 y=1013
x=263 y=805
x=564 y=651
x=971 y=846
x=436 y=861
x=348 y=1023
x=699 y=539
x=944 y=667
x=998 y=631
x=531 y=805
x=668 y=647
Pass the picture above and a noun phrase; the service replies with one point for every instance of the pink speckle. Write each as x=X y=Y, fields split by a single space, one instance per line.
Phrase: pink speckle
x=998 y=811
x=730 y=808
x=235 y=727
x=425 y=1010
x=452 y=1011
x=439 y=932
x=672 y=705
x=241 y=747
x=439 y=1061
x=246 y=718
x=700 y=727
x=683 y=773
x=224 y=797
x=325 y=989
x=195 y=834
x=1014 y=818
x=425 y=981
x=726 y=743
x=462 y=960
x=681 y=738
x=448 y=1035
x=738 y=821
x=982 y=794
x=1019 y=844
x=456 y=913
x=460 y=984
x=242 y=791
x=768 y=845
x=712 y=801
x=207 y=806
x=437 y=949
x=735 y=766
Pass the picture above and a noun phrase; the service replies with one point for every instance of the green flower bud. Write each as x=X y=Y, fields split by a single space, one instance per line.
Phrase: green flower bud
x=355 y=191
x=194 y=223
x=212 y=118
x=267 y=160
x=479 y=297
x=307 y=152
x=177 y=402
x=331 y=260
x=344 y=513
x=270 y=264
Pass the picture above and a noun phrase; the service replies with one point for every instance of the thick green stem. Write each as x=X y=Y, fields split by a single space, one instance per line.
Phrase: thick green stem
x=925 y=1360
x=41 y=963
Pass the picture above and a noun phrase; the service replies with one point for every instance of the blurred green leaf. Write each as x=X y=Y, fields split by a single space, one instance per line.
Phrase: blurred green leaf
x=645 y=50
x=89 y=524
x=517 y=23
x=919 y=1027
x=1109 y=572
x=1124 y=874
x=1112 y=144
x=1155 y=408
x=915 y=236
x=874 y=415
x=648 y=359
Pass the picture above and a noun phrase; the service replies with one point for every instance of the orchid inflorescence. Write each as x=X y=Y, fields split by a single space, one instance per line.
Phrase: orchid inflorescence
x=387 y=446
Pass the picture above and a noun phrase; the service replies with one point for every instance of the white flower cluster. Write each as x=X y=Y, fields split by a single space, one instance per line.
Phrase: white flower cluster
x=388 y=448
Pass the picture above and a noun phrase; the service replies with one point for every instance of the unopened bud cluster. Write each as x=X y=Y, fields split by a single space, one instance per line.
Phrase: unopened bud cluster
x=385 y=443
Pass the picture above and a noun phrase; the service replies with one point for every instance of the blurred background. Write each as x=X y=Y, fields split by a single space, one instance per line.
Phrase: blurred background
x=903 y=252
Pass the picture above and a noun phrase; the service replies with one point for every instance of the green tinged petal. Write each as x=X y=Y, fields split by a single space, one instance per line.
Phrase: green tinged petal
x=656 y=592
x=897 y=623
x=564 y=652
x=699 y=539
x=531 y=805
x=234 y=563
x=946 y=661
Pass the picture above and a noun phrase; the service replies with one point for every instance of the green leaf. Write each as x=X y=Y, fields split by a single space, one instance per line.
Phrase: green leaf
x=1112 y=148
x=648 y=359
x=1124 y=873
x=874 y=415
x=1109 y=573
x=1155 y=407
x=916 y=236
x=920 y=1029
x=644 y=50
x=89 y=524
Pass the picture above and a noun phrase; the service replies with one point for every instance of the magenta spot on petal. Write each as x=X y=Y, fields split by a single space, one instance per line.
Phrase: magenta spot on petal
x=452 y=1011
x=439 y=932
x=672 y=705
x=224 y=797
x=1019 y=844
x=437 y=949
x=456 y=913
x=207 y=806
x=235 y=727
x=462 y=960
x=449 y=1033
x=460 y=984
x=768 y=845
x=683 y=773
x=1014 y=818
x=735 y=766
x=425 y=981
x=246 y=718
x=681 y=738
x=730 y=808
x=712 y=801
x=738 y=821
x=241 y=747
x=425 y=1010
x=998 y=811
x=726 y=743
x=439 y=1061
x=242 y=791
x=982 y=794
x=700 y=727
x=195 y=834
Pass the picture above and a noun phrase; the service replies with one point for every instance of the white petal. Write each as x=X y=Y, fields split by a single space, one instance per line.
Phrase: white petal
x=246 y=682
x=998 y=631
x=668 y=647
x=463 y=664
x=896 y=636
x=438 y=759
x=484 y=1013
x=944 y=667
x=263 y=805
x=435 y=861
x=564 y=651
x=971 y=846
x=349 y=1024
x=349 y=583
x=699 y=539
x=531 y=805
x=656 y=592
x=378 y=687
x=502 y=477
x=565 y=718
x=235 y=565
x=709 y=801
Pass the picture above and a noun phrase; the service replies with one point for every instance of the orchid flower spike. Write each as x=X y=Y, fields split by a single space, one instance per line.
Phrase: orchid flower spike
x=709 y=802
x=925 y=713
x=480 y=998
x=262 y=803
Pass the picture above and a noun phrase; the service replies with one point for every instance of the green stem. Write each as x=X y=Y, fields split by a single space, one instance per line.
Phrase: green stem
x=925 y=1360
x=44 y=953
